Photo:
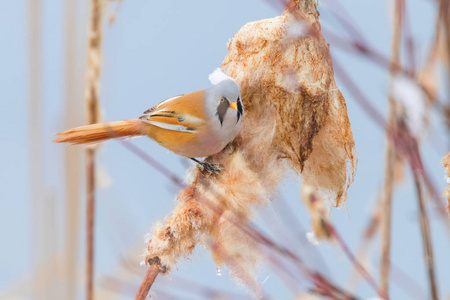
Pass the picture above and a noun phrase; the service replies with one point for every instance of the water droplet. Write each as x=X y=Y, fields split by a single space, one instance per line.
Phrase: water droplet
x=219 y=271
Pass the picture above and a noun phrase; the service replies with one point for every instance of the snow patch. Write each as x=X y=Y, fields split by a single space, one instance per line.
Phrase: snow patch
x=297 y=30
x=218 y=76
x=410 y=96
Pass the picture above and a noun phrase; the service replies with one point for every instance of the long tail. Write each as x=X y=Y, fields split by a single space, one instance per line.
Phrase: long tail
x=101 y=132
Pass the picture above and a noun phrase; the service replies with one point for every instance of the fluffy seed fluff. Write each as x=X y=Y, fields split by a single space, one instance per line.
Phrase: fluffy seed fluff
x=446 y=164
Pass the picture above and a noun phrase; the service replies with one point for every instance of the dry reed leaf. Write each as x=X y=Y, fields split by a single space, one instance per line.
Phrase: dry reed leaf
x=295 y=117
x=319 y=211
x=428 y=76
x=399 y=170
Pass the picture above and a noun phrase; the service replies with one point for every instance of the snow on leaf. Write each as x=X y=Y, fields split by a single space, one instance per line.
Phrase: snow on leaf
x=411 y=98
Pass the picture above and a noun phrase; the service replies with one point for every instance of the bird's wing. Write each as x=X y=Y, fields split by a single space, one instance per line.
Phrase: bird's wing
x=148 y=111
x=181 y=113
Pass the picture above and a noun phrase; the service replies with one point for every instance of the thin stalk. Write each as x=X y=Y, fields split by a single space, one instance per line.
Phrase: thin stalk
x=390 y=156
x=387 y=216
x=73 y=170
x=90 y=217
x=35 y=150
x=92 y=96
x=427 y=245
x=411 y=148
x=147 y=283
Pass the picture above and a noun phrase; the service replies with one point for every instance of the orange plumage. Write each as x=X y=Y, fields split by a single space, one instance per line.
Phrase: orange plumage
x=101 y=132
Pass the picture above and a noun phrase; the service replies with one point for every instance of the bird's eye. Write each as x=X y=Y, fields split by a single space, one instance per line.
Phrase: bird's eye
x=222 y=99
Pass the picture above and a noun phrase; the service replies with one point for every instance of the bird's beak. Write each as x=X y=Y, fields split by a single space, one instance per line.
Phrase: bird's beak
x=233 y=105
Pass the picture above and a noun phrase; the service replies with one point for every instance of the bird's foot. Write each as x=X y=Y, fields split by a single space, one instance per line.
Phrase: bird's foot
x=209 y=167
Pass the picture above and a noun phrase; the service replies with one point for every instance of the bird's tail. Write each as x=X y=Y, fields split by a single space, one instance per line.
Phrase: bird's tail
x=101 y=132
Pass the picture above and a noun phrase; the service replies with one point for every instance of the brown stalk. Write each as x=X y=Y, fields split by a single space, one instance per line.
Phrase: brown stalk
x=73 y=116
x=147 y=283
x=92 y=95
x=427 y=245
x=38 y=210
x=90 y=213
x=390 y=156
x=424 y=220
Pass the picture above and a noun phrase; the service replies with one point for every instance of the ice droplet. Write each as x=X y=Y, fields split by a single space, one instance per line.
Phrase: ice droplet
x=312 y=238
x=219 y=271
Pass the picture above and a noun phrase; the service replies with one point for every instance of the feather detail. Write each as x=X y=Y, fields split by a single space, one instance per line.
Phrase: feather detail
x=161 y=103
x=192 y=104
x=172 y=121
x=168 y=126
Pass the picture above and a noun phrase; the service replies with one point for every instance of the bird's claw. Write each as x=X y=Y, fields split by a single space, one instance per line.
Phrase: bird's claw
x=209 y=167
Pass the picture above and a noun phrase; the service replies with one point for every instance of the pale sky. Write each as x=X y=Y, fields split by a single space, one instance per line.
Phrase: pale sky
x=158 y=49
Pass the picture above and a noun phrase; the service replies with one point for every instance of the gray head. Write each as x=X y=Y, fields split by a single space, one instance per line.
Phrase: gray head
x=227 y=98
x=224 y=109
x=223 y=101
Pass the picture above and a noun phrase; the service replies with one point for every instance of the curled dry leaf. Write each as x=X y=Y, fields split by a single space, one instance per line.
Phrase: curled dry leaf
x=295 y=117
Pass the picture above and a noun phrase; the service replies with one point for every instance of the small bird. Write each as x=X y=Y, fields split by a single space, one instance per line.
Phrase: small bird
x=194 y=125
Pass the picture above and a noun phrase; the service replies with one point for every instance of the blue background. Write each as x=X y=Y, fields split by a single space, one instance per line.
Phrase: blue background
x=157 y=49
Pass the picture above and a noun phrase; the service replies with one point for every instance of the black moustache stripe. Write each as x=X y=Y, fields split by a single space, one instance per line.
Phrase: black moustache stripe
x=240 y=109
x=239 y=105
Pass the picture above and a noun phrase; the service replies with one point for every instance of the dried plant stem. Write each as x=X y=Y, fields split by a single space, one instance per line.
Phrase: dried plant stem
x=38 y=210
x=92 y=95
x=387 y=217
x=390 y=156
x=427 y=245
x=73 y=84
x=147 y=283
x=90 y=214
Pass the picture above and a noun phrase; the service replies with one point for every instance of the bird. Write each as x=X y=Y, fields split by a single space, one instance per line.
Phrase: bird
x=194 y=125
